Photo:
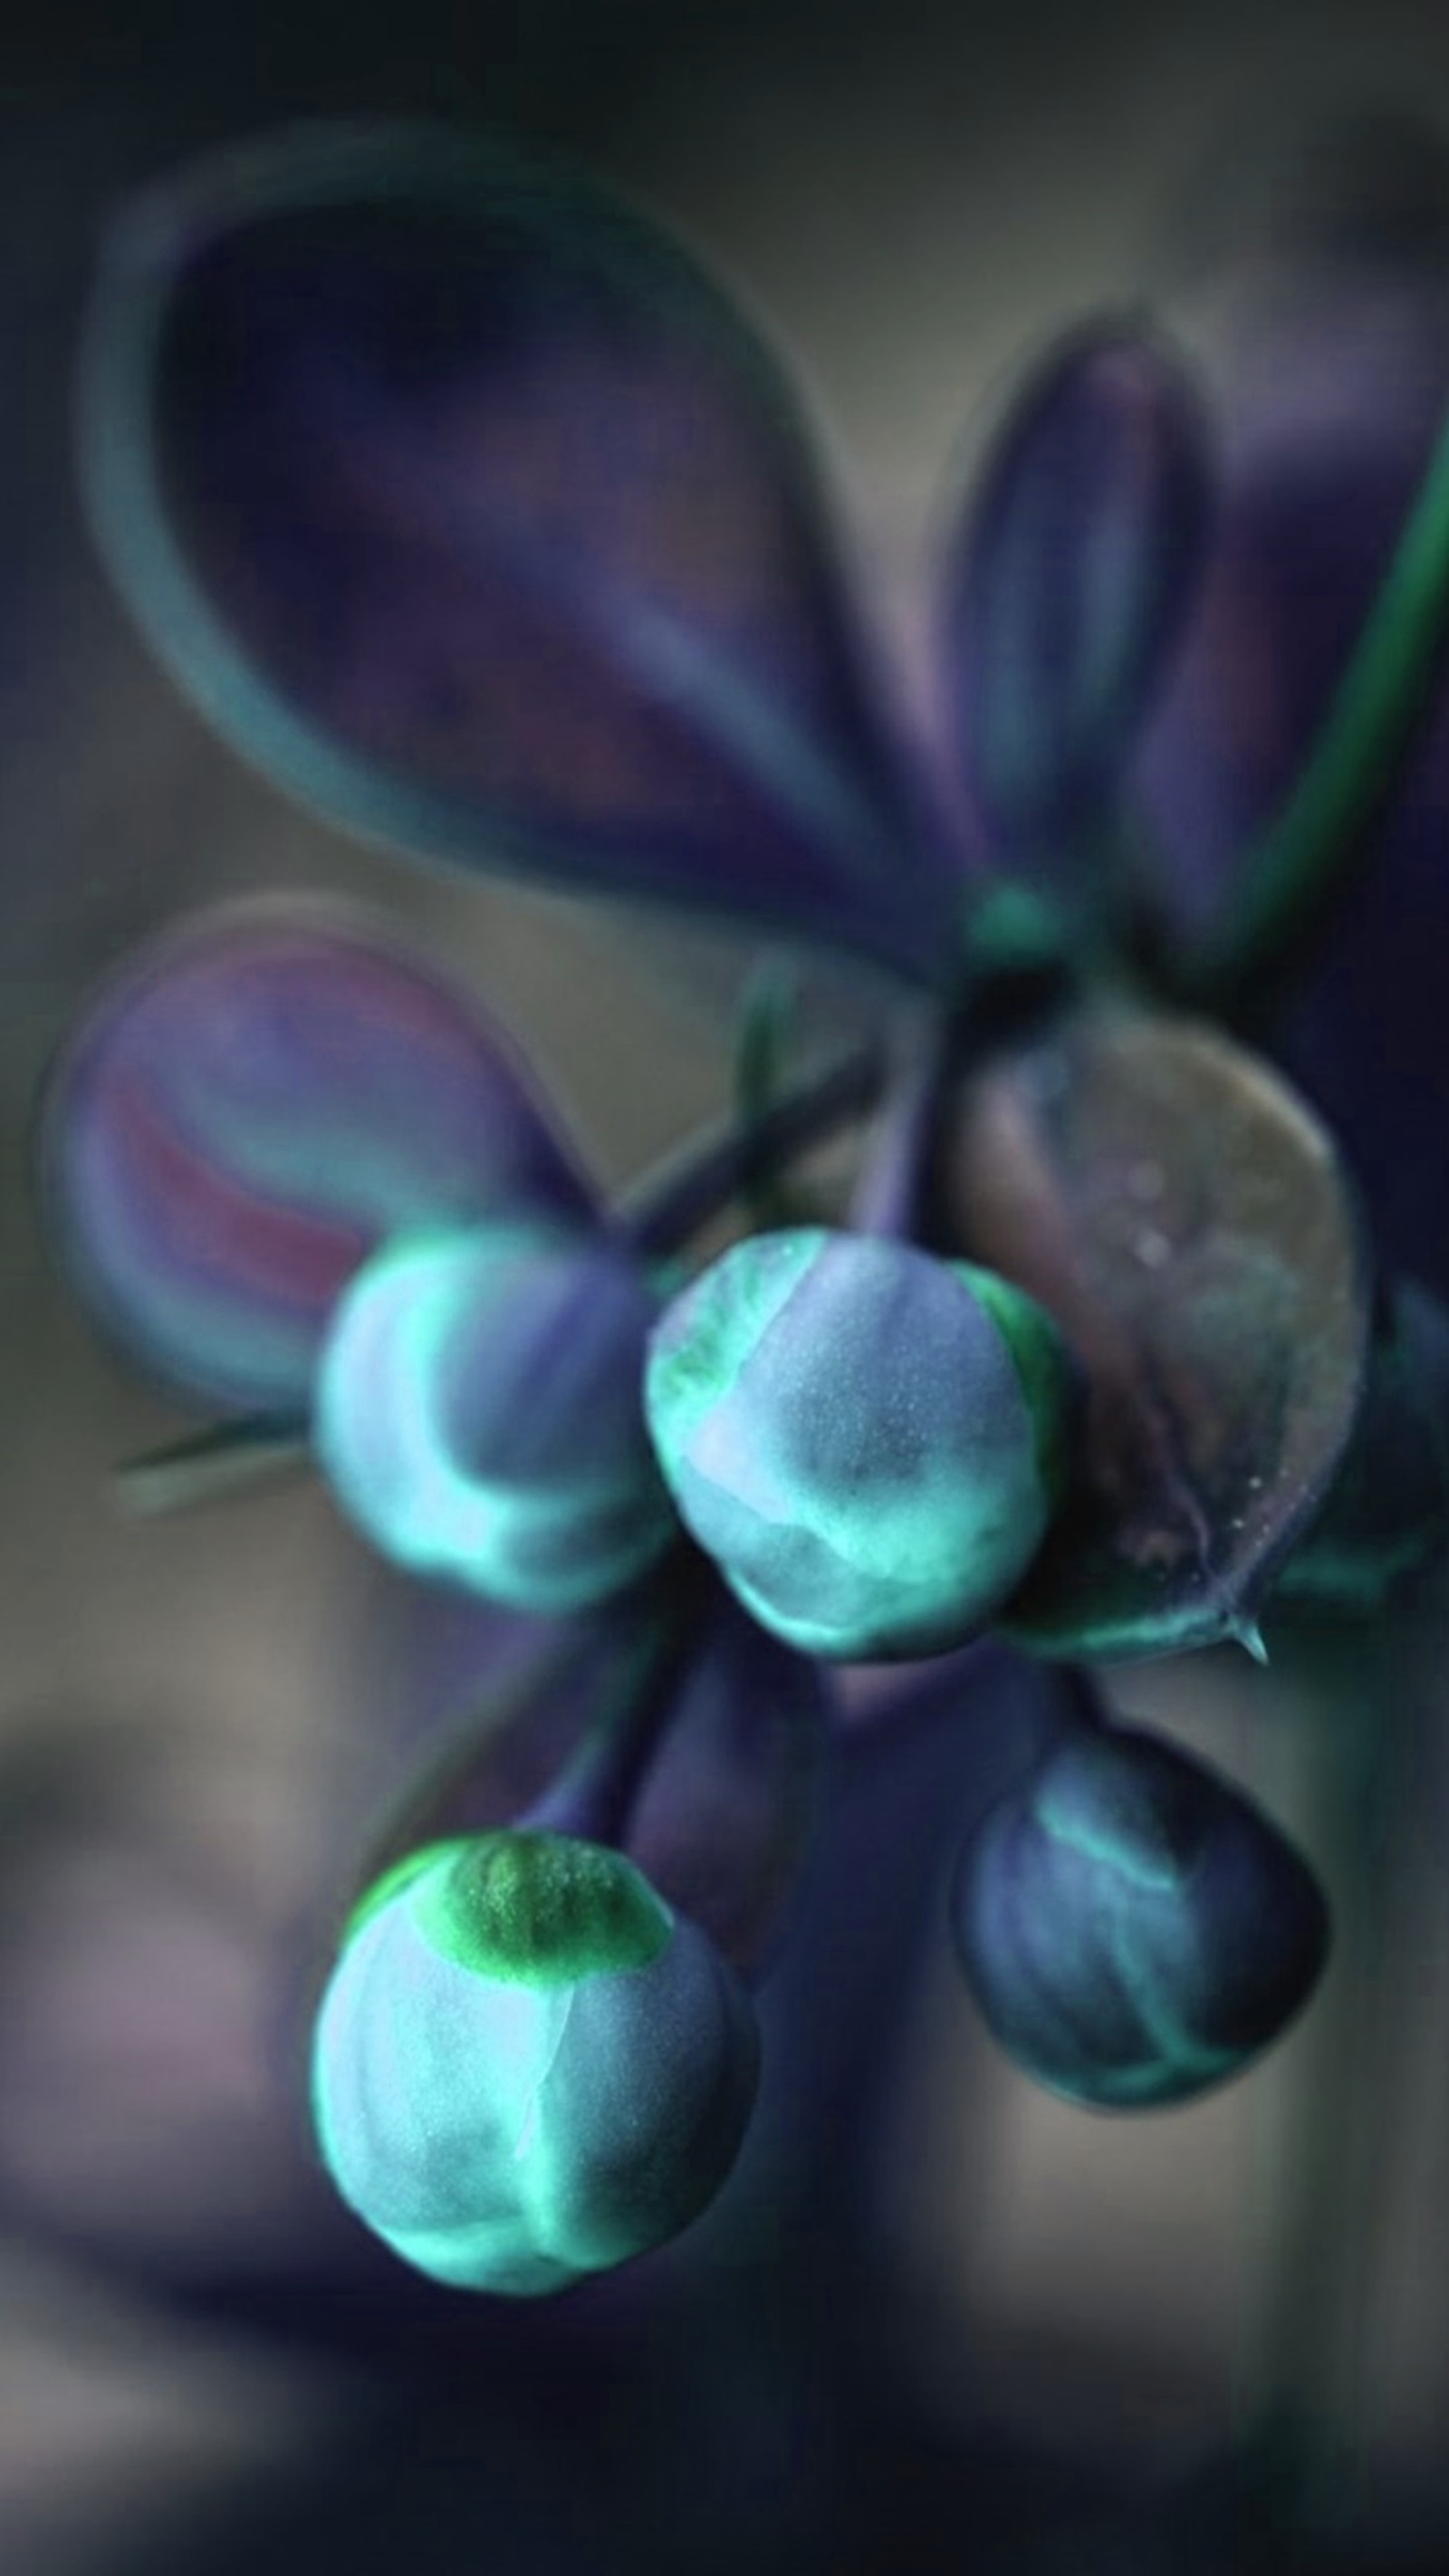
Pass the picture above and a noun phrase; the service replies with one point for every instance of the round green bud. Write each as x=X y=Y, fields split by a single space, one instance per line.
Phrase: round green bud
x=477 y=1412
x=526 y=2067
x=869 y=1441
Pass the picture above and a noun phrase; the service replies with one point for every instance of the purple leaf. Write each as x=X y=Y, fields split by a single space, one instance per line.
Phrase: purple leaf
x=461 y=500
x=250 y=1106
x=1328 y=350
x=1067 y=584
x=1185 y=1222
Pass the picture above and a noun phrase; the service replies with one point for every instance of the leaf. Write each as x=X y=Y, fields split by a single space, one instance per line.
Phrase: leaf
x=461 y=500
x=1067 y=585
x=1183 y=1218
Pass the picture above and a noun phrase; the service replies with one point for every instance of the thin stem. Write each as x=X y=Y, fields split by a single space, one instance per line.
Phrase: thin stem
x=1306 y=2421
x=593 y=1796
x=889 y=1198
x=1307 y=859
x=661 y=1212
x=635 y=1685
x=215 y=1465
x=1086 y=1708
x=767 y=1010
x=425 y=1810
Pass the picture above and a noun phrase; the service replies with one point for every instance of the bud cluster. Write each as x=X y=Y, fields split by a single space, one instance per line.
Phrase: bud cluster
x=462 y=501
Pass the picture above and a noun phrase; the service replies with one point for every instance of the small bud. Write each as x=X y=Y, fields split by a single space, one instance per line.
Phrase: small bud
x=1133 y=1929
x=478 y=1413
x=526 y=2067
x=868 y=1440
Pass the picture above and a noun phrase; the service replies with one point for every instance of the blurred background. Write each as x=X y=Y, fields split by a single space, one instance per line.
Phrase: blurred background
x=943 y=2320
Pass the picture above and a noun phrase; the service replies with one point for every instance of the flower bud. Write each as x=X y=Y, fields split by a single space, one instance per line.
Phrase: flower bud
x=526 y=2067
x=1132 y=1928
x=478 y=1413
x=869 y=1441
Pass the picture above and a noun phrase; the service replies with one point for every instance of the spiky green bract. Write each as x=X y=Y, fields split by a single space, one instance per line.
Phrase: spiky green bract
x=1133 y=1929
x=477 y=1413
x=526 y=2067
x=868 y=1440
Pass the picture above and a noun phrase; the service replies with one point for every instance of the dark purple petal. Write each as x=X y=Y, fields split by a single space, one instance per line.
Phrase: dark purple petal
x=250 y=1106
x=460 y=499
x=1067 y=584
x=1185 y=1222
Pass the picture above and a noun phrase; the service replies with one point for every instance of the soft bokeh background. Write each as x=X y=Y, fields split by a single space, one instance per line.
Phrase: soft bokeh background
x=189 y=1714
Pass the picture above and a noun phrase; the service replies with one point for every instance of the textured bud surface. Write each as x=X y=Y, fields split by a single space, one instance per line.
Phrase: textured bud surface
x=868 y=1440
x=1132 y=1928
x=526 y=2067
x=478 y=1414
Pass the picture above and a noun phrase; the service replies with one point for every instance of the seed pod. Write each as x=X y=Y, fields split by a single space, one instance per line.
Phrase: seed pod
x=1133 y=1929
x=255 y=1101
x=526 y=2066
x=478 y=1413
x=868 y=1441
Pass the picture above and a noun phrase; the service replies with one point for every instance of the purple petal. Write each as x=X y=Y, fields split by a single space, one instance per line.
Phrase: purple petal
x=464 y=503
x=1067 y=583
x=249 y=1107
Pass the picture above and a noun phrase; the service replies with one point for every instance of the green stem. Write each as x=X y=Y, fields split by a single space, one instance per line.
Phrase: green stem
x=660 y=1213
x=1309 y=855
x=1307 y=2421
x=767 y=1011
x=633 y=1683
x=595 y=1793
